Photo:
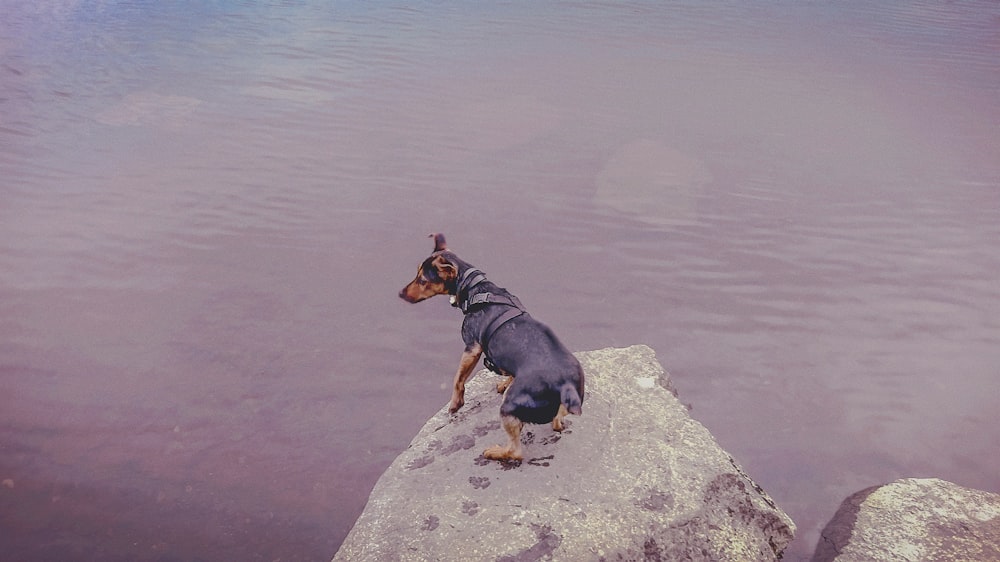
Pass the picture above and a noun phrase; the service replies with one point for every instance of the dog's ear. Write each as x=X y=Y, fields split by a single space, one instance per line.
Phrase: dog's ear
x=444 y=268
x=439 y=244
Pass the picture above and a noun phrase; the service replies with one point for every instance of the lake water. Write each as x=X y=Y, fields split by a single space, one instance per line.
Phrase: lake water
x=208 y=208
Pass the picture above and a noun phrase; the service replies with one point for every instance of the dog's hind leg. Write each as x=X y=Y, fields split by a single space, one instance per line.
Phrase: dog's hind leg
x=512 y=452
x=557 y=423
x=503 y=385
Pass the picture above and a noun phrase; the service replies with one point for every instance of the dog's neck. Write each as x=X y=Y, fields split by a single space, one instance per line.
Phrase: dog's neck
x=468 y=279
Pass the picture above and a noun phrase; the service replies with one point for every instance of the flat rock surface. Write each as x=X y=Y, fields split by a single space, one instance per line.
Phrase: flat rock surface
x=633 y=478
x=914 y=519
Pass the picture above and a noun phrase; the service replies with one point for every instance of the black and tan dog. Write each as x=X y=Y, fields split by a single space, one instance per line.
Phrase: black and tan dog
x=545 y=381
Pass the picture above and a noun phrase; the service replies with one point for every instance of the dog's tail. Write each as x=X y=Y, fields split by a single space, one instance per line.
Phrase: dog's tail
x=571 y=398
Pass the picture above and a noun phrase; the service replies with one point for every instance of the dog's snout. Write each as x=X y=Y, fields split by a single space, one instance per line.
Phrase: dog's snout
x=406 y=296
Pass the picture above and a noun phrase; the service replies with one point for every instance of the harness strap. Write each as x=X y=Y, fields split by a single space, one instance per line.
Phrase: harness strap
x=491 y=298
x=469 y=279
x=511 y=314
x=478 y=298
x=500 y=321
x=466 y=282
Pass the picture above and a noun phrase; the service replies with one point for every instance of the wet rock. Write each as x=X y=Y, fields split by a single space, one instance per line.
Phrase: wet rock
x=913 y=519
x=633 y=478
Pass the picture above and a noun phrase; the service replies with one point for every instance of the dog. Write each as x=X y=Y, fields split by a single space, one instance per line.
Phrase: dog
x=544 y=381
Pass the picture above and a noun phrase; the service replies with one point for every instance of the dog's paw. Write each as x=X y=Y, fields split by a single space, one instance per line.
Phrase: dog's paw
x=501 y=453
x=455 y=405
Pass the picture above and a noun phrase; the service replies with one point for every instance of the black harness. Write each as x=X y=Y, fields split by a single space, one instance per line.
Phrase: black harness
x=470 y=302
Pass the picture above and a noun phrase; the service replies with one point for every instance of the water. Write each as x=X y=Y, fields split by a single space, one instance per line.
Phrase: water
x=207 y=209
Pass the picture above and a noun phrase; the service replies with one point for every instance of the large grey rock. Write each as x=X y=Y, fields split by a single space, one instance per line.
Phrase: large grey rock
x=914 y=519
x=633 y=478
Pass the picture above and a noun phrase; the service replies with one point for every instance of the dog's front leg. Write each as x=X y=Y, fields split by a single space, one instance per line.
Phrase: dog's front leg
x=465 y=366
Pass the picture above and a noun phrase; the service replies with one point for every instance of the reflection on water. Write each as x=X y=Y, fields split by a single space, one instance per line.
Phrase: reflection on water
x=651 y=182
x=206 y=211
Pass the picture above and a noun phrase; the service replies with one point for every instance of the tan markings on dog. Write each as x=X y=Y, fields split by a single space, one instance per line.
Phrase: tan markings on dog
x=422 y=288
x=557 y=423
x=465 y=367
x=512 y=452
x=446 y=270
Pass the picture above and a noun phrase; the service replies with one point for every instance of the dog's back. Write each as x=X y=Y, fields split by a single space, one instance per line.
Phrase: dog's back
x=546 y=375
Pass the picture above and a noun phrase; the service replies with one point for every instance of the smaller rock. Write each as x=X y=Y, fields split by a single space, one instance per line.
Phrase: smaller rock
x=913 y=519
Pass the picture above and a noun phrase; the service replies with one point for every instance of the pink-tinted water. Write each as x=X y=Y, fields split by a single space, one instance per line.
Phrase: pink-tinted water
x=206 y=211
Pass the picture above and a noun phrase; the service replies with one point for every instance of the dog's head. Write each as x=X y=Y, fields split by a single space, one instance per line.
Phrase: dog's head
x=435 y=276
